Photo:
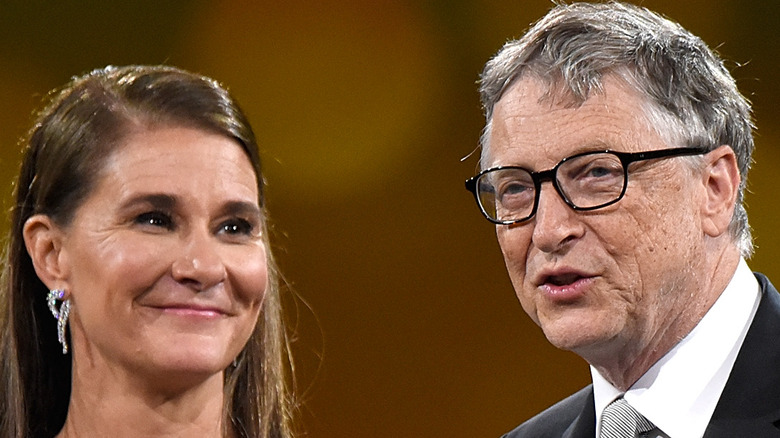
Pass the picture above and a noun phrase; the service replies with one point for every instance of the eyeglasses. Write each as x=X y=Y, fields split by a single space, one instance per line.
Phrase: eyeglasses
x=587 y=181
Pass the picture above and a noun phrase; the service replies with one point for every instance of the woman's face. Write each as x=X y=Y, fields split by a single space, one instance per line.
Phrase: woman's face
x=165 y=262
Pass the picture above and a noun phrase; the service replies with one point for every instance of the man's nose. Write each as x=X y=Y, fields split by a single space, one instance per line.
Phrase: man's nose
x=199 y=264
x=555 y=222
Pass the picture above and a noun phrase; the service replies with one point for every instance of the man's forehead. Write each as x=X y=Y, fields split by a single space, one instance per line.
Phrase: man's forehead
x=531 y=120
x=554 y=92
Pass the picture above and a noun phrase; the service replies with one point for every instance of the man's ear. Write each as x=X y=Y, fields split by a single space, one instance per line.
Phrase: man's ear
x=721 y=181
x=43 y=239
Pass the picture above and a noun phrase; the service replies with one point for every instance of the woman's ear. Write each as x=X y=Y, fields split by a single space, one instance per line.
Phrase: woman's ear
x=43 y=239
x=721 y=180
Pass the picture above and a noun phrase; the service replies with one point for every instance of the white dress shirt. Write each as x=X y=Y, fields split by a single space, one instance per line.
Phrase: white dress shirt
x=679 y=392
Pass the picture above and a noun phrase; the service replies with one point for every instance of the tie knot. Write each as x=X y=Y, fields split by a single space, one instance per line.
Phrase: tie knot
x=621 y=420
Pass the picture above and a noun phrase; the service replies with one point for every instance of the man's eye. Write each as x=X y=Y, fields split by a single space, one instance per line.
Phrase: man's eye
x=599 y=169
x=154 y=219
x=599 y=172
x=515 y=188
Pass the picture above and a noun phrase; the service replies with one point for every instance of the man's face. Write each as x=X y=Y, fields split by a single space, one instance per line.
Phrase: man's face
x=612 y=281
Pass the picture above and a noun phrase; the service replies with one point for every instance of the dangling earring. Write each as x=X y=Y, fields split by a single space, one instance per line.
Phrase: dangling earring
x=61 y=315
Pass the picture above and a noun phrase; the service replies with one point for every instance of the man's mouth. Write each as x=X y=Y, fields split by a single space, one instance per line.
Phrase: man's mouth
x=562 y=279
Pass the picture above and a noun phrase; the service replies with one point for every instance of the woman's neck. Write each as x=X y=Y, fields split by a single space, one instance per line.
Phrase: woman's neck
x=129 y=406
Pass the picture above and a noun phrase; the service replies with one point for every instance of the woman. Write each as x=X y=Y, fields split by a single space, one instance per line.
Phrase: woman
x=139 y=296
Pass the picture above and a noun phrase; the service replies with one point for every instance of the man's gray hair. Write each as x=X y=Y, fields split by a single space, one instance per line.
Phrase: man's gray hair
x=690 y=97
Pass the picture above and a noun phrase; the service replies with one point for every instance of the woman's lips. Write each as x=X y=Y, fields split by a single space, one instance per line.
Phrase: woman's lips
x=190 y=311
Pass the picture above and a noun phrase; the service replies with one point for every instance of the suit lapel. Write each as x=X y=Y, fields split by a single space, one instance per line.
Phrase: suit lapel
x=750 y=403
x=584 y=426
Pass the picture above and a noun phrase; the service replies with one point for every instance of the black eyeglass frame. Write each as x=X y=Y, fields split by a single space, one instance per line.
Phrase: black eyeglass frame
x=626 y=158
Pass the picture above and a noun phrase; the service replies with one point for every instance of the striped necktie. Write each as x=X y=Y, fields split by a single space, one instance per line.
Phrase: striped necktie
x=620 y=420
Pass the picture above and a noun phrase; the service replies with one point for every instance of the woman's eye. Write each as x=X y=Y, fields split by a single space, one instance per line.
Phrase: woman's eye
x=237 y=227
x=155 y=219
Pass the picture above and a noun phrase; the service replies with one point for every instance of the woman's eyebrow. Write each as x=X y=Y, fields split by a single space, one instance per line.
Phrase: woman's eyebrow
x=242 y=208
x=156 y=200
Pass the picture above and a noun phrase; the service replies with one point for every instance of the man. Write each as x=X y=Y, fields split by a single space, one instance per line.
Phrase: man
x=616 y=152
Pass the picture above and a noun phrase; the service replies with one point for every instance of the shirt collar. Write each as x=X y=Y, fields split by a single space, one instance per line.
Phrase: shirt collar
x=679 y=392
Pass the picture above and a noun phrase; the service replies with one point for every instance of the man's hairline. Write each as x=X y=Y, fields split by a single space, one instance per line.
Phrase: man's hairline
x=655 y=117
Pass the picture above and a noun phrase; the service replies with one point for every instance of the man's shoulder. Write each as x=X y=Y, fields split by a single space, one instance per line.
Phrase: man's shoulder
x=558 y=418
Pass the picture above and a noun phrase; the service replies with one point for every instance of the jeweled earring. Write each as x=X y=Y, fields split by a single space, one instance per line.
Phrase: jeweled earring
x=61 y=315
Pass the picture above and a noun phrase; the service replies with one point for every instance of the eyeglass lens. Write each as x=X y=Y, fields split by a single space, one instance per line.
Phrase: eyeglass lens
x=585 y=181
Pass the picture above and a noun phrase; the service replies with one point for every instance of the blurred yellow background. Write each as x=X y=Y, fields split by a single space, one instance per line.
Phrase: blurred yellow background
x=364 y=110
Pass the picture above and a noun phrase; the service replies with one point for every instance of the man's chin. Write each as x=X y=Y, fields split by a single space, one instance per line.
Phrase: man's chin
x=584 y=341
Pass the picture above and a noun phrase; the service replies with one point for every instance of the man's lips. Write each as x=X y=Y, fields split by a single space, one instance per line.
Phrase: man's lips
x=562 y=279
x=559 y=276
x=564 y=285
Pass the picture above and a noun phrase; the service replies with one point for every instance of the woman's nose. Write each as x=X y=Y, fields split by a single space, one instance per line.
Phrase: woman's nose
x=199 y=263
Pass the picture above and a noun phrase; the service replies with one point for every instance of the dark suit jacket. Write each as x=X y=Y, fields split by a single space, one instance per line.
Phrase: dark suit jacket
x=748 y=407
